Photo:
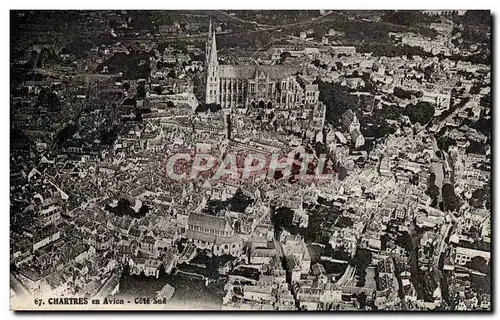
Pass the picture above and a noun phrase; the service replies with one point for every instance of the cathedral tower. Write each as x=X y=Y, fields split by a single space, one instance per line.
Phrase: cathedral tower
x=212 y=73
x=207 y=43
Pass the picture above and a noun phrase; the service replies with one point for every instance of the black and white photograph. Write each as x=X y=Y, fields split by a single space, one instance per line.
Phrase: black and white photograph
x=250 y=160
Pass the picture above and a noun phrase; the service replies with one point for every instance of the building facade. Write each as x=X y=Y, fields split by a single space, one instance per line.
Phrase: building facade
x=256 y=86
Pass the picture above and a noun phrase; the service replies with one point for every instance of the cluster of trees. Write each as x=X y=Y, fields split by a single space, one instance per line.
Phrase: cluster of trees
x=108 y=137
x=212 y=263
x=214 y=206
x=361 y=261
x=408 y=17
x=317 y=63
x=66 y=133
x=284 y=56
x=361 y=299
x=376 y=126
x=133 y=66
x=336 y=99
x=48 y=98
x=476 y=147
x=479 y=264
x=340 y=254
x=344 y=222
x=123 y=208
x=391 y=50
x=476 y=27
x=451 y=201
x=403 y=240
x=158 y=89
x=213 y=107
x=314 y=231
x=432 y=190
x=444 y=142
x=482 y=125
x=141 y=91
x=341 y=171
x=282 y=219
x=481 y=196
x=244 y=39
x=485 y=100
x=239 y=201
x=480 y=283
x=78 y=47
x=406 y=94
x=366 y=31
x=172 y=74
x=422 y=112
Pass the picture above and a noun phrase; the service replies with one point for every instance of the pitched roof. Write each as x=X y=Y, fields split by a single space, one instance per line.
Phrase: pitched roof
x=207 y=221
x=196 y=235
x=250 y=72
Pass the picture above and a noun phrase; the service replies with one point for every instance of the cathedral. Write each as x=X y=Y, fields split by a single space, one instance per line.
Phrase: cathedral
x=250 y=86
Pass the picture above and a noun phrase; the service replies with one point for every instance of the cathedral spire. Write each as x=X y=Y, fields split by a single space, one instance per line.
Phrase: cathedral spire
x=210 y=28
x=213 y=51
x=207 y=44
x=212 y=74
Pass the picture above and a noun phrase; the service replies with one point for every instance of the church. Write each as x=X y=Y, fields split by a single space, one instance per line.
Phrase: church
x=251 y=86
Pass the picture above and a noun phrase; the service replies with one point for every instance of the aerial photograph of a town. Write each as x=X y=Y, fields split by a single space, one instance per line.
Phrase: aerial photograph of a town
x=270 y=160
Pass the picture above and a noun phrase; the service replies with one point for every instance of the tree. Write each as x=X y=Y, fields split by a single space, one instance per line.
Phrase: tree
x=336 y=99
x=158 y=89
x=214 y=107
x=239 y=201
x=422 y=112
x=52 y=100
x=125 y=271
x=477 y=17
x=141 y=92
x=476 y=147
x=479 y=264
x=201 y=108
x=143 y=210
x=401 y=93
x=361 y=261
x=475 y=89
x=316 y=63
x=451 y=201
x=406 y=17
x=42 y=95
x=170 y=104
x=404 y=241
x=444 y=143
x=283 y=220
x=162 y=273
x=284 y=56
x=362 y=258
x=126 y=86
x=432 y=179
x=123 y=206
x=361 y=300
x=433 y=192
x=479 y=196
